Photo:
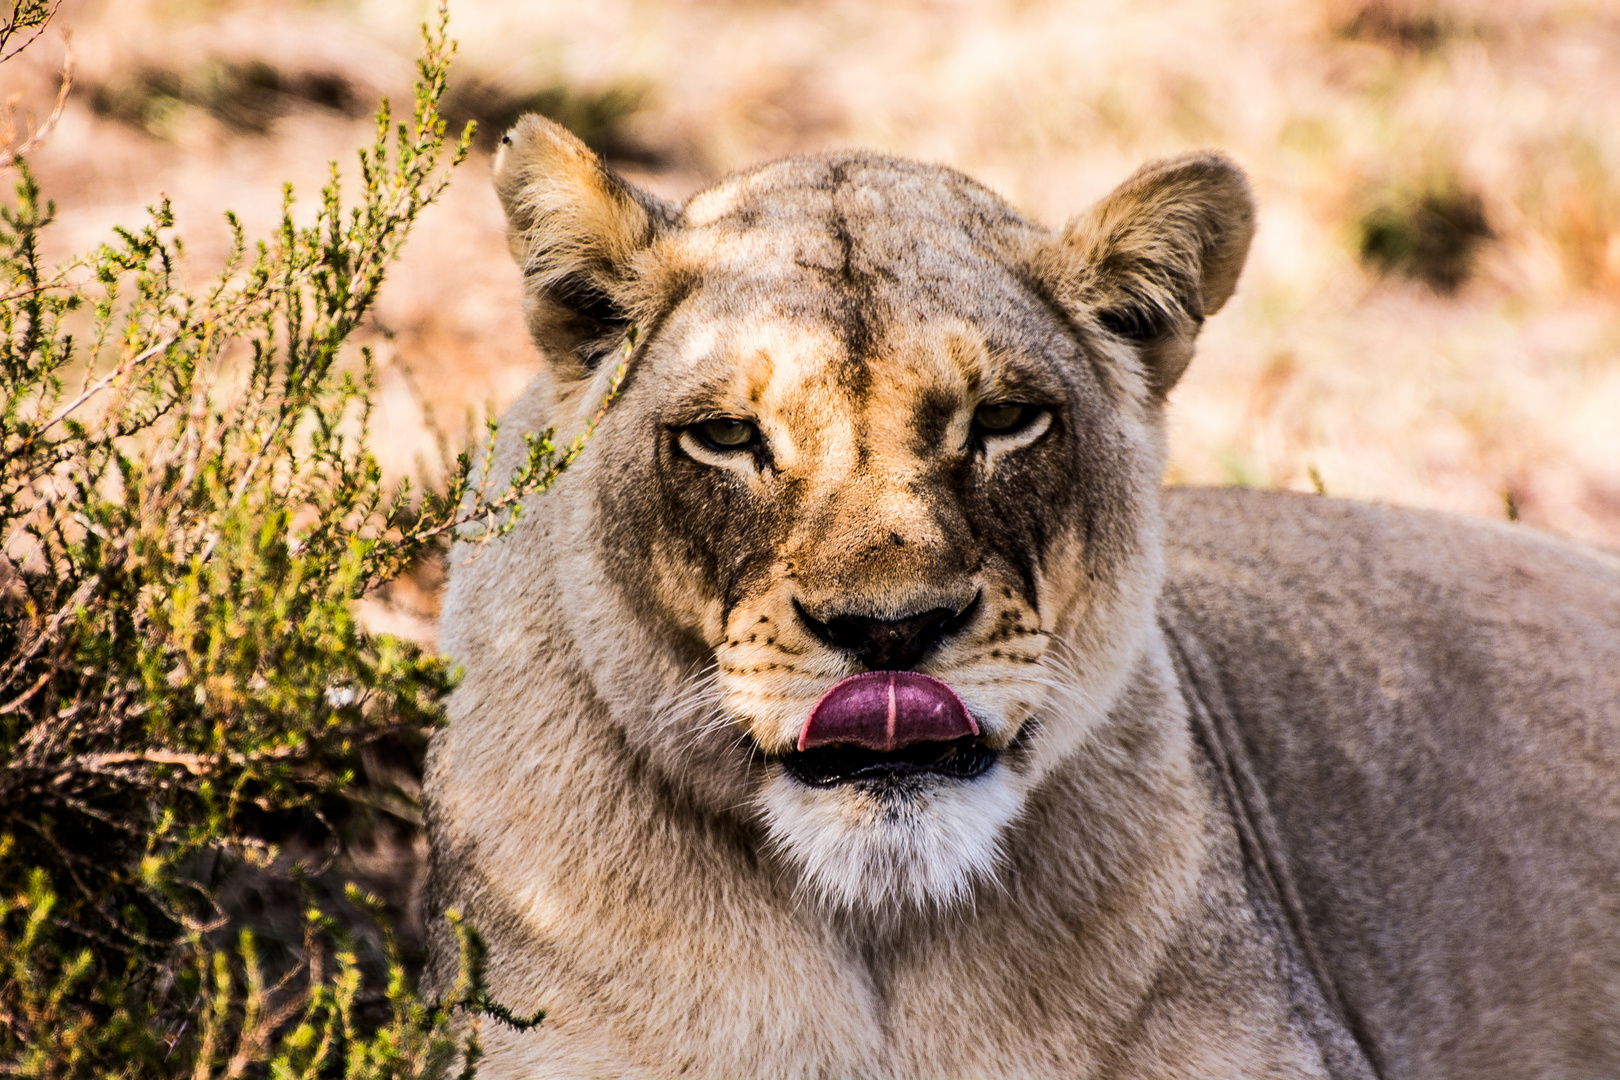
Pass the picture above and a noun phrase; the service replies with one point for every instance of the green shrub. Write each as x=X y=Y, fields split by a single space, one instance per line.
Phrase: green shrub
x=189 y=511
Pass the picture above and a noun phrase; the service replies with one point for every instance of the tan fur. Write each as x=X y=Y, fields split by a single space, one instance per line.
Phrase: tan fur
x=1248 y=812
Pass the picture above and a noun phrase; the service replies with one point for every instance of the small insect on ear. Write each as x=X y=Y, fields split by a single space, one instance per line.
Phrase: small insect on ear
x=1157 y=256
x=576 y=229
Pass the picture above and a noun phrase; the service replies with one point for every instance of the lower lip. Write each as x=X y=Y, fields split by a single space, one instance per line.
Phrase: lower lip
x=832 y=766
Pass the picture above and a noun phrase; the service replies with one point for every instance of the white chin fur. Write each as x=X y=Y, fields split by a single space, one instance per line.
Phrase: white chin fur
x=921 y=846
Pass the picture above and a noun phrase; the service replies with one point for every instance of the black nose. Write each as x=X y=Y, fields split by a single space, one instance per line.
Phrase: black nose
x=889 y=644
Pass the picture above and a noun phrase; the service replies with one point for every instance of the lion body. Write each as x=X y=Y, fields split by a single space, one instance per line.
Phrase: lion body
x=1281 y=786
x=1428 y=709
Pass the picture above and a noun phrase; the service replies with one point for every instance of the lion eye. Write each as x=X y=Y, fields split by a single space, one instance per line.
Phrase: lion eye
x=726 y=433
x=1003 y=417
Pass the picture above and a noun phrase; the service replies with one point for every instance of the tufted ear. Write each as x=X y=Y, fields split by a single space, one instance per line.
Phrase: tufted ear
x=1157 y=256
x=576 y=229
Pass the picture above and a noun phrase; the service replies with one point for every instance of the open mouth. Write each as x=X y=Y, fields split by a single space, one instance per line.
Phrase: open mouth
x=846 y=763
x=884 y=725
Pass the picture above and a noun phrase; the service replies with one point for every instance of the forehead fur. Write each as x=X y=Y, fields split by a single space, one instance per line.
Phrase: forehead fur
x=852 y=258
x=850 y=239
x=887 y=200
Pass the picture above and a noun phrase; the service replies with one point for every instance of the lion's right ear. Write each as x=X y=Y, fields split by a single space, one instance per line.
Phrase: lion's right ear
x=576 y=229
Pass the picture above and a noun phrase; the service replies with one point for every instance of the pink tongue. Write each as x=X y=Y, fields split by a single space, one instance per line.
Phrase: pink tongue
x=885 y=710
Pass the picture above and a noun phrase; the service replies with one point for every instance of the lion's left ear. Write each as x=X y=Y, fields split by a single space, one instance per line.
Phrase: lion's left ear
x=1157 y=256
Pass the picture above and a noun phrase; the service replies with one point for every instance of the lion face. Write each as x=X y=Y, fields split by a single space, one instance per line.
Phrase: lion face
x=884 y=474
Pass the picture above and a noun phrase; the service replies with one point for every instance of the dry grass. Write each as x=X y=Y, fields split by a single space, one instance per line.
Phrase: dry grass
x=1429 y=316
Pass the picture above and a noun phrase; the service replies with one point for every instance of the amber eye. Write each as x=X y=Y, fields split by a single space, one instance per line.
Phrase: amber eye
x=726 y=433
x=1003 y=417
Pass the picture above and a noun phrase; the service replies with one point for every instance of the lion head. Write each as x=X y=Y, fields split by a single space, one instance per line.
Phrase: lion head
x=870 y=544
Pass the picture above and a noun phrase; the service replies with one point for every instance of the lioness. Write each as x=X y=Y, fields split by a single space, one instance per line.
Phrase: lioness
x=860 y=706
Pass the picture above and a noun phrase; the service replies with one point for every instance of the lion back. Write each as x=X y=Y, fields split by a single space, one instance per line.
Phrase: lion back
x=1424 y=720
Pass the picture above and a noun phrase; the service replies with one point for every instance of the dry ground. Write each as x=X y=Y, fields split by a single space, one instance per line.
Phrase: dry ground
x=1429 y=316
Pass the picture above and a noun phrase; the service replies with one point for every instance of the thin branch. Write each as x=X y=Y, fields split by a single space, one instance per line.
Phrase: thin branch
x=59 y=281
x=93 y=389
x=25 y=16
x=36 y=136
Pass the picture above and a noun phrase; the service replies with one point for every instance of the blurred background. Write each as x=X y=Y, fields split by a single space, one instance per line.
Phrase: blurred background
x=1429 y=315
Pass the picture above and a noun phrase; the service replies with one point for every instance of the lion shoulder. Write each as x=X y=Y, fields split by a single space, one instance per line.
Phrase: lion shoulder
x=1426 y=711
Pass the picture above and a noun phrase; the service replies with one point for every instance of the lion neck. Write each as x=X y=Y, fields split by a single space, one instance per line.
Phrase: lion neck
x=618 y=858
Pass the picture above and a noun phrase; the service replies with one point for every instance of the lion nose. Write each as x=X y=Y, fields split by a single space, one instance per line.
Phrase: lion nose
x=889 y=644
